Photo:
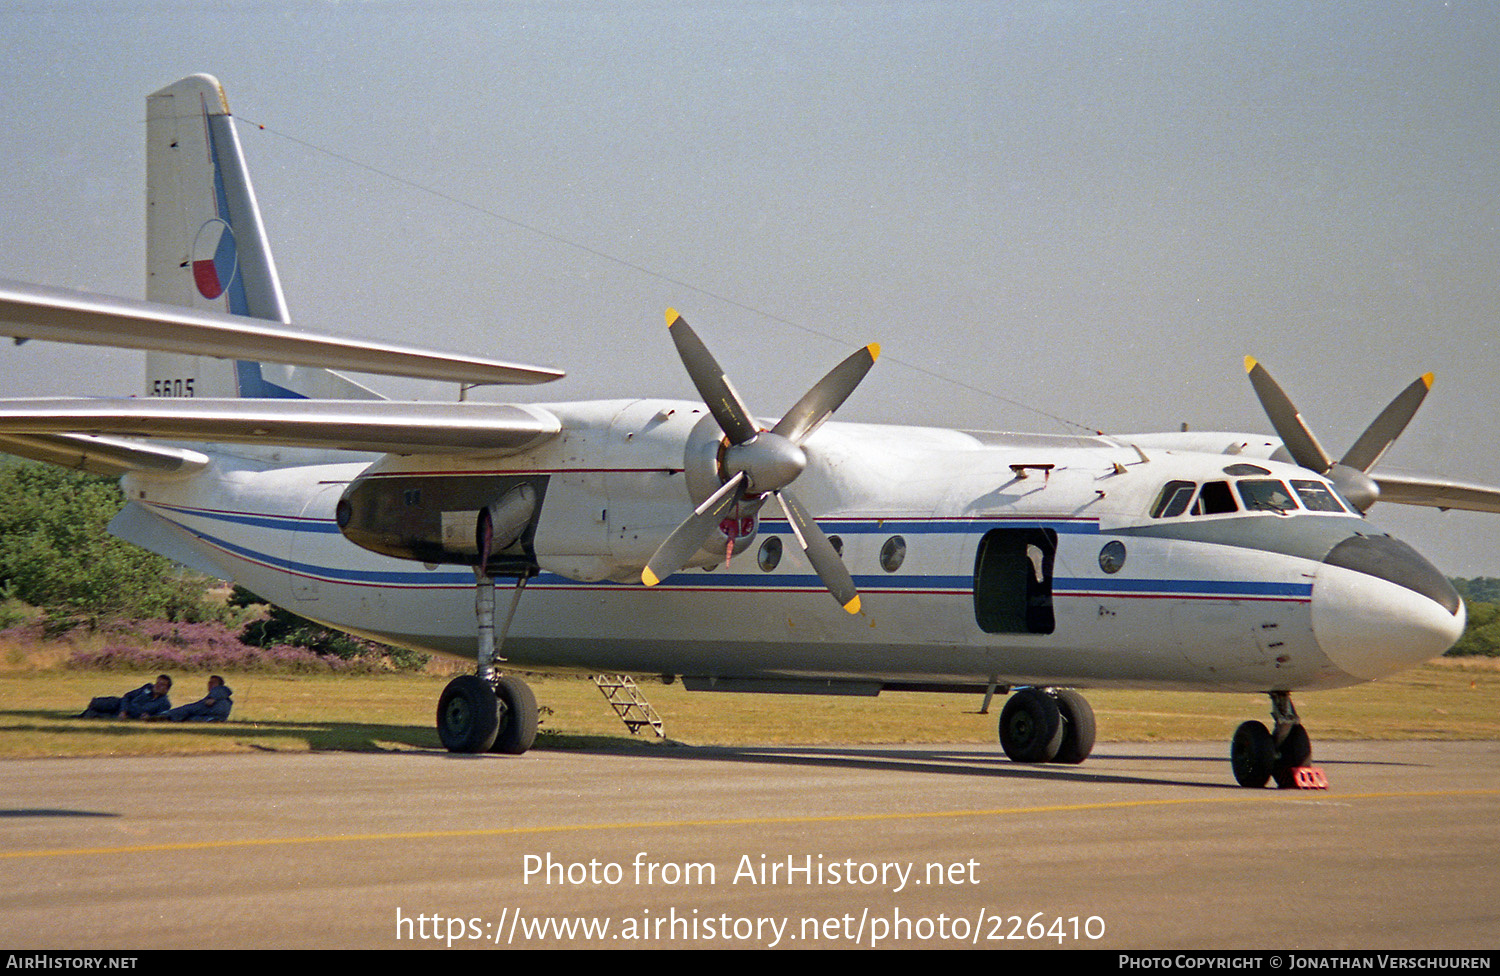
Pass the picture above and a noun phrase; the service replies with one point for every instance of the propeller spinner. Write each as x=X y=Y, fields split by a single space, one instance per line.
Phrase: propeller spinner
x=757 y=463
x=1349 y=473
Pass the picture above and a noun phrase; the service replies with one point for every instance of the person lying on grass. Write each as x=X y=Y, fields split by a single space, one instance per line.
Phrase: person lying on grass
x=147 y=701
x=213 y=707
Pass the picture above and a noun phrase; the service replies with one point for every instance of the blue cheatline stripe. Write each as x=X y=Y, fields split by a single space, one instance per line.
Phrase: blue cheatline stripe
x=285 y=523
x=435 y=578
x=939 y=526
x=765 y=582
x=1182 y=587
x=768 y=526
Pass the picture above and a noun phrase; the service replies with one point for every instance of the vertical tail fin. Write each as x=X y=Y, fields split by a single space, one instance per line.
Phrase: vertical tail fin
x=206 y=247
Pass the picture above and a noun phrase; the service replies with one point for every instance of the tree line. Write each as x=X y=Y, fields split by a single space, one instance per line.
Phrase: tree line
x=57 y=557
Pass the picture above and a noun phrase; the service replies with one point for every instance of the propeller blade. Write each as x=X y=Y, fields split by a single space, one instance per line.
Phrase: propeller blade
x=820 y=552
x=827 y=395
x=718 y=393
x=1388 y=426
x=688 y=537
x=1293 y=430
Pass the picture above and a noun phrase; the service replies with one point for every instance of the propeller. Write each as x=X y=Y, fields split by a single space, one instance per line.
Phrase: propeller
x=755 y=463
x=1350 y=473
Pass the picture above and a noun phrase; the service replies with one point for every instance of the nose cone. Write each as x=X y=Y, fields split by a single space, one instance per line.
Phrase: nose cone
x=1379 y=607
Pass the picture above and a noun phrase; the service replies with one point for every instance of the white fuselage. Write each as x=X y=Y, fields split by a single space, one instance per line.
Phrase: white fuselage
x=1240 y=601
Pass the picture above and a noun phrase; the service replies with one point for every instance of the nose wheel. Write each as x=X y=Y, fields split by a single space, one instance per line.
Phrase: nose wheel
x=1257 y=755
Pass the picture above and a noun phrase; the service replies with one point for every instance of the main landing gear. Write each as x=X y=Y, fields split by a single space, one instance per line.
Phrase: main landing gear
x=486 y=712
x=1047 y=725
x=1258 y=755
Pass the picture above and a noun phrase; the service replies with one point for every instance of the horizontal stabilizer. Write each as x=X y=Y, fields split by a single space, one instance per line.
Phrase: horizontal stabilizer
x=1437 y=493
x=385 y=426
x=111 y=456
x=60 y=315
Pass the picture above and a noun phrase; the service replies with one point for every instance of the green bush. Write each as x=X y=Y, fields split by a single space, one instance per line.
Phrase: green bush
x=281 y=627
x=1480 y=589
x=56 y=554
x=1482 y=634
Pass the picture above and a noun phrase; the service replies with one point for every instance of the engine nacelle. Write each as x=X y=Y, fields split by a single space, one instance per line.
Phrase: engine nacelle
x=459 y=519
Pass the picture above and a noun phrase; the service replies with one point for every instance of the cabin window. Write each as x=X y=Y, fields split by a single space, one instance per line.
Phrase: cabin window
x=1265 y=495
x=893 y=554
x=1317 y=497
x=1215 y=499
x=769 y=556
x=1013 y=581
x=1174 y=499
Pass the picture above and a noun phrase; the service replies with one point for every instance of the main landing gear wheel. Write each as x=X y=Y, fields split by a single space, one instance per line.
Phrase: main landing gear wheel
x=468 y=715
x=518 y=716
x=1078 y=727
x=1031 y=727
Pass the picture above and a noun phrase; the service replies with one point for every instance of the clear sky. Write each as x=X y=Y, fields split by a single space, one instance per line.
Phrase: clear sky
x=1094 y=210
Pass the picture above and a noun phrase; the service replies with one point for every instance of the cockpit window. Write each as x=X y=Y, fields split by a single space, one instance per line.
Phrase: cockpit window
x=1265 y=495
x=1257 y=494
x=1174 y=499
x=1215 y=499
x=1317 y=497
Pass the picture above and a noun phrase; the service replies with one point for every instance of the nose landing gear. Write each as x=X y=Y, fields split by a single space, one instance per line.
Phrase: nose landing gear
x=1258 y=755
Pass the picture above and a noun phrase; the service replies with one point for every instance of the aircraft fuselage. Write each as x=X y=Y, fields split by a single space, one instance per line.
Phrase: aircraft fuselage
x=982 y=559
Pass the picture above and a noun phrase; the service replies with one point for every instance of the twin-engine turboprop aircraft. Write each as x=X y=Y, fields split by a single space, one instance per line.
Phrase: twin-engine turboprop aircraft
x=638 y=535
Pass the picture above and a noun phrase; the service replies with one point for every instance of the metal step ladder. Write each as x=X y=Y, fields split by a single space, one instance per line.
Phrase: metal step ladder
x=626 y=699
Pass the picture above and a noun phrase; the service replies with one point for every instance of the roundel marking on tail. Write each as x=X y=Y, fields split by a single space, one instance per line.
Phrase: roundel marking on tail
x=215 y=258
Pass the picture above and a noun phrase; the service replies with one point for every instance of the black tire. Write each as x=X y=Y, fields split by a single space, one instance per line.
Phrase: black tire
x=1252 y=754
x=1031 y=727
x=1295 y=750
x=1078 y=727
x=468 y=715
x=518 y=716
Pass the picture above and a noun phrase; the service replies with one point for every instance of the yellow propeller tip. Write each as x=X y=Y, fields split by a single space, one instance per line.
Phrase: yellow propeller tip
x=649 y=578
x=672 y=316
x=874 y=349
x=853 y=605
x=1249 y=363
x=1427 y=379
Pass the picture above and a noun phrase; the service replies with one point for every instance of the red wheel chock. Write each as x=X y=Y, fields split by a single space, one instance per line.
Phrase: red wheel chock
x=1307 y=778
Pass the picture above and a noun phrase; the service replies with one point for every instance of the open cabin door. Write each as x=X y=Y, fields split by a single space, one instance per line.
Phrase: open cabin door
x=1013 y=581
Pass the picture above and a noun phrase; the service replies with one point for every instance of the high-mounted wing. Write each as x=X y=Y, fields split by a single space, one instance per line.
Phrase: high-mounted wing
x=60 y=315
x=385 y=426
x=1440 y=493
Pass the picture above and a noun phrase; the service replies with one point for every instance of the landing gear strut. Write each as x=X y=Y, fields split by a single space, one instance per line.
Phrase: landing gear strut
x=1258 y=755
x=486 y=712
x=1047 y=725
